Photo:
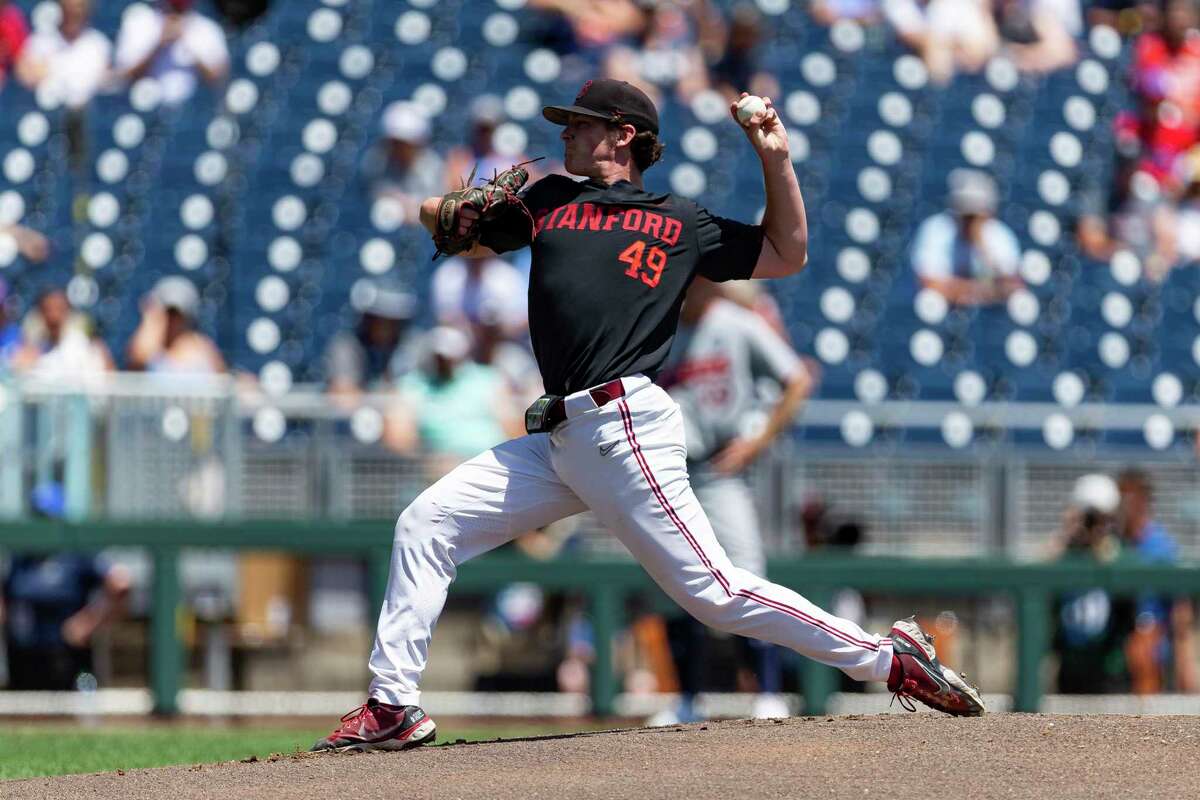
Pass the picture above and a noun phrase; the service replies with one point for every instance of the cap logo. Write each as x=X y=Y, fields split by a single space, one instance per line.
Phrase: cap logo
x=583 y=91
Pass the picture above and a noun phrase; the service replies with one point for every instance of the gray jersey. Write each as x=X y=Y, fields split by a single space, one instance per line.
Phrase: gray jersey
x=713 y=370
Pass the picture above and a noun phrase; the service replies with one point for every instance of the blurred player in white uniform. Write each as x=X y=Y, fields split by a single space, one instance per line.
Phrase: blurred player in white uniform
x=722 y=352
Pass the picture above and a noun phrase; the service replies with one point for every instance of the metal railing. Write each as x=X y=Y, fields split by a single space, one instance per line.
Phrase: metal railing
x=146 y=447
x=606 y=584
x=168 y=468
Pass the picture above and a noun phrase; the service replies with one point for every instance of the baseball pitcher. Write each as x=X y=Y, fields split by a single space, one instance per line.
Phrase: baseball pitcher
x=611 y=261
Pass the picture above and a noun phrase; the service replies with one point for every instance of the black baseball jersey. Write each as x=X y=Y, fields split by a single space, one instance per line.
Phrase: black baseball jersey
x=609 y=271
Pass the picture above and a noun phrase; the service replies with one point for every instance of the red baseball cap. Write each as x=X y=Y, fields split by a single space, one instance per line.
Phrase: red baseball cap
x=610 y=100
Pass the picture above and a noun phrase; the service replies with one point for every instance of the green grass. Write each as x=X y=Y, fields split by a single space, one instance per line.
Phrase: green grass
x=40 y=750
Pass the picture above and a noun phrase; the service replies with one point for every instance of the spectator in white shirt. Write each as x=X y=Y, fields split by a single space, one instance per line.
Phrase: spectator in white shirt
x=1040 y=34
x=173 y=44
x=463 y=288
x=402 y=166
x=66 y=65
x=965 y=253
x=58 y=344
x=949 y=35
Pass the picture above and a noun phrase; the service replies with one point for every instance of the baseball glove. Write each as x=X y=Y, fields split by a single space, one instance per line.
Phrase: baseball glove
x=494 y=200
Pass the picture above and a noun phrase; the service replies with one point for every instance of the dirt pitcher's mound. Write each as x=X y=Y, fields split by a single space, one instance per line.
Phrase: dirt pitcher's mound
x=917 y=755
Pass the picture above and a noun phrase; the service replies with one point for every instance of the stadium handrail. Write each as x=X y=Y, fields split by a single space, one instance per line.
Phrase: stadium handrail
x=309 y=401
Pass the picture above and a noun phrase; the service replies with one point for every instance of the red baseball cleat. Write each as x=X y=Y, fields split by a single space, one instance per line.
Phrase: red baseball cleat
x=917 y=674
x=380 y=726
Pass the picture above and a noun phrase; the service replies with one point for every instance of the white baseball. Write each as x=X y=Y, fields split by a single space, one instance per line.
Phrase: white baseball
x=748 y=106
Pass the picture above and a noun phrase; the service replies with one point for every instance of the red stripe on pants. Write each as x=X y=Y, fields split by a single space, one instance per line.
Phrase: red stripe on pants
x=627 y=420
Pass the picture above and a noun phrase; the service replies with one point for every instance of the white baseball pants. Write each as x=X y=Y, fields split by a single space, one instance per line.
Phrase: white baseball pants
x=626 y=462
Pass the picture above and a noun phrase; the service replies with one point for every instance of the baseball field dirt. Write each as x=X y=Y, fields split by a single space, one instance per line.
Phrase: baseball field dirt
x=893 y=756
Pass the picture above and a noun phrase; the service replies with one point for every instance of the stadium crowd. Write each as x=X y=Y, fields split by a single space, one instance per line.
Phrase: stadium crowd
x=668 y=47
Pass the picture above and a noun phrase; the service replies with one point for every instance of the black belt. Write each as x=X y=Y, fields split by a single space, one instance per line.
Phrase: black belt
x=555 y=412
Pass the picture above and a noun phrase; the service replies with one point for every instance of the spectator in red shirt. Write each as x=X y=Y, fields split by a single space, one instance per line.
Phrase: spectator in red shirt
x=13 y=33
x=1166 y=78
